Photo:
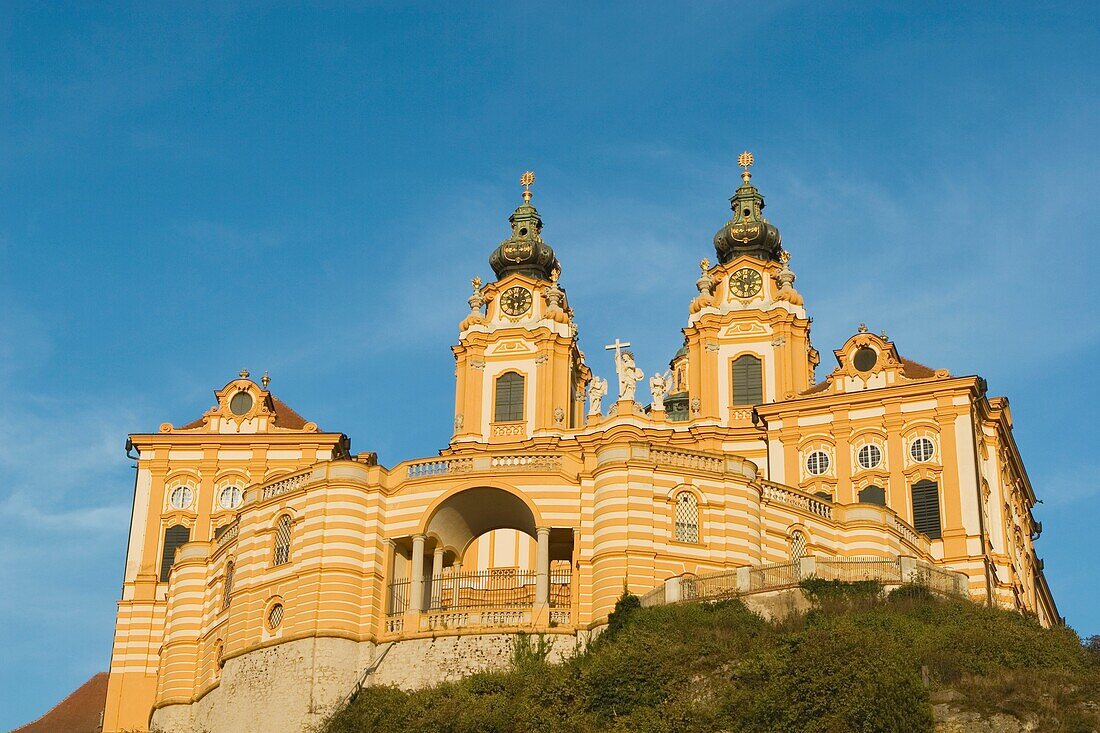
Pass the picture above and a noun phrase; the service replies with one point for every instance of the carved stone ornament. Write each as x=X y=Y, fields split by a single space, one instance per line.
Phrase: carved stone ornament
x=597 y=389
x=659 y=386
x=477 y=364
x=559 y=416
x=542 y=359
x=459 y=421
x=695 y=405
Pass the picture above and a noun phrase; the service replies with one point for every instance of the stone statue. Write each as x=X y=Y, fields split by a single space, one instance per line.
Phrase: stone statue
x=597 y=388
x=659 y=386
x=629 y=376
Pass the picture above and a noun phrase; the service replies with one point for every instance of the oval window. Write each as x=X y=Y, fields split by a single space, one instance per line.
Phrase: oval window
x=180 y=497
x=275 y=616
x=869 y=456
x=240 y=403
x=231 y=497
x=865 y=359
x=817 y=463
x=922 y=450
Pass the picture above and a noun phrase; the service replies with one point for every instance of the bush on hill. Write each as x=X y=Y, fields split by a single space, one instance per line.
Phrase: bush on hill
x=854 y=663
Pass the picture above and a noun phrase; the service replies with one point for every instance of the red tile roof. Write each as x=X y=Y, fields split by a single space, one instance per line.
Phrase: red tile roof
x=909 y=369
x=80 y=712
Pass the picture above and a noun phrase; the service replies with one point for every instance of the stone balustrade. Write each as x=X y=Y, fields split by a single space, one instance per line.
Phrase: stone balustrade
x=688 y=460
x=770 y=577
x=284 y=485
x=498 y=463
x=772 y=491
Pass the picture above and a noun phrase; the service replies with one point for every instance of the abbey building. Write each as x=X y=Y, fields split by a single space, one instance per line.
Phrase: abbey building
x=270 y=570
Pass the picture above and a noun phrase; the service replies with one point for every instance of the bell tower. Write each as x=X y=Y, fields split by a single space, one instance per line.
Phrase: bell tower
x=748 y=336
x=519 y=372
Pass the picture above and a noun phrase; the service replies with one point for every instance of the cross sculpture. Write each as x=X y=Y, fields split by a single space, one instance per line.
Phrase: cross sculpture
x=629 y=375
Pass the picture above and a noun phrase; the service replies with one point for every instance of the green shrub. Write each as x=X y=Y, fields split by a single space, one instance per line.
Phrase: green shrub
x=851 y=665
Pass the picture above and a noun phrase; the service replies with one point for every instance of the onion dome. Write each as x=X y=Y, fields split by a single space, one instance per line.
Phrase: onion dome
x=748 y=232
x=524 y=252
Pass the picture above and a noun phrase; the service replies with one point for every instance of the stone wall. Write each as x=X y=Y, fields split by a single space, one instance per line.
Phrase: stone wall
x=418 y=663
x=293 y=687
x=287 y=688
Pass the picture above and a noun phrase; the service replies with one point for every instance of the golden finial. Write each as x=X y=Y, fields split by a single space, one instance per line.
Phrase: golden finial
x=476 y=282
x=704 y=264
x=784 y=257
x=863 y=328
x=526 y=180
x=243 y=373
x=555 y=274
x=265 y=379
x=745 y=160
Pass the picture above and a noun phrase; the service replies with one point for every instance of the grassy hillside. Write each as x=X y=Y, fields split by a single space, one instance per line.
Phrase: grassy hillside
x=855 y=663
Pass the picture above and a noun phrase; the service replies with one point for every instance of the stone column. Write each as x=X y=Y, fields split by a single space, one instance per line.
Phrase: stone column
x=437 y=577
x=456 y=571
x=416 y=583
x=542 y=569
x=390 y=564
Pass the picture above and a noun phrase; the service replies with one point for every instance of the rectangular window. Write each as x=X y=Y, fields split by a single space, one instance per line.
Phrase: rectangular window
x=748 y=380
x=174 y=536
x=926 y=509
x=509 y=398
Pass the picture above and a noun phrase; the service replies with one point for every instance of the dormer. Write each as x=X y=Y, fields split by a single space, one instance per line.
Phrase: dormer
x=242 y=406
x=867 y=361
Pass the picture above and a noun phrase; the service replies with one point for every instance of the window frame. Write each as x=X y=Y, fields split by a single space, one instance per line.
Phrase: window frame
x=924 y=485
x=280 y=550
x=692 y=530
x=735 y=401
x=511 y=375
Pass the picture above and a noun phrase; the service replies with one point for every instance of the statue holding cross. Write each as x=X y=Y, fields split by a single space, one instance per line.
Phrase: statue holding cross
x=629 y=374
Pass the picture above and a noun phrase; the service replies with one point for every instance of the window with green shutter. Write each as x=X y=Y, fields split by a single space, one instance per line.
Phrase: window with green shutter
x=748 y=380
x=174 y=536
x=926 y=509
x=509 y=397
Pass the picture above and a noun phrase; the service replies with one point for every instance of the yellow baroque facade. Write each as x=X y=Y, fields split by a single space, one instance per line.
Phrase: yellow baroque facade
x=270 y=571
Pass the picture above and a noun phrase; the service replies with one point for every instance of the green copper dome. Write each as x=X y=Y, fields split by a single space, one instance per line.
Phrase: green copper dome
x=748 y=232
x=524 y=252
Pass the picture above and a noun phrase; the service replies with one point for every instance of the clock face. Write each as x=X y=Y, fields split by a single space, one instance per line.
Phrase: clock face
x=515 y=301
x=745 y=283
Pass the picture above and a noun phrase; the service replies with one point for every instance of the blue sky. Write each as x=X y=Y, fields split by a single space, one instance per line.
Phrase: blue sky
x=188 y=191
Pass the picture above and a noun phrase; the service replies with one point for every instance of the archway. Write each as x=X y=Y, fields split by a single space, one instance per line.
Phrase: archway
x=481 y=525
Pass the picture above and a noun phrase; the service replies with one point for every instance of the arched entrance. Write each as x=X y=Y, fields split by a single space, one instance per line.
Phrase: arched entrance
x=429 y=575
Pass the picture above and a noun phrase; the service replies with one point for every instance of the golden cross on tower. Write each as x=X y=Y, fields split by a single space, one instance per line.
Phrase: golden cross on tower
x=526 y=180
x=745 y=160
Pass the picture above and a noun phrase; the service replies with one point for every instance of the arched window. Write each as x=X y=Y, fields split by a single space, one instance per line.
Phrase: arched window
x=748 y=380
x=687 y=517
x=926 y=509
x=798 y=545
x=872 y=495
x=227 y=587
x=509 y=397
x=281 y=554
x=174 y=536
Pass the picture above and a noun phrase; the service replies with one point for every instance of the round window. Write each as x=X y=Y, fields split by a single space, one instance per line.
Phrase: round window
x=231 y=497
x=180 y=498
x=865 y=359
x=922 y=450
x=275 y=616
x=240 y=403
x=869 y=456
x=817 y=463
